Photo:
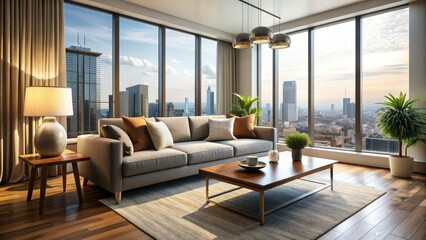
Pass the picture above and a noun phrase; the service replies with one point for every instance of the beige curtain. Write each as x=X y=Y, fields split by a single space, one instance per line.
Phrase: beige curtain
x=226 y=72
x=32 y=52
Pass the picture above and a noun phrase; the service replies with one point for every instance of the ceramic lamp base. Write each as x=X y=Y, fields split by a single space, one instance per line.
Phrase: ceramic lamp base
x=50 y=139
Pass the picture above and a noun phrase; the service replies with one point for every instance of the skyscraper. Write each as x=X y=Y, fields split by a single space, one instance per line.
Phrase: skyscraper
x=138 y=100
x=346 y=103
x=83 y=77
x=186 y=110
x=170 y=109
x=210 y=102
x=289 y=106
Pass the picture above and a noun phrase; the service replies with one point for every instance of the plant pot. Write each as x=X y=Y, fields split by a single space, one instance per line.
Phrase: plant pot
x=296 y=154
x=401 y=166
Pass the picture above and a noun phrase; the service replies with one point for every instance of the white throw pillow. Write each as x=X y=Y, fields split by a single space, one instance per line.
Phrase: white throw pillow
x=160 y=135
x=221 y=129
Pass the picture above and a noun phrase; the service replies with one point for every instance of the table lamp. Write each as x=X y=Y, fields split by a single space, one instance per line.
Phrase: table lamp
x=49 y=102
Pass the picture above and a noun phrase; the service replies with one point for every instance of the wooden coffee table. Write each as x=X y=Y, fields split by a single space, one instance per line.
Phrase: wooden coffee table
x=273 y=175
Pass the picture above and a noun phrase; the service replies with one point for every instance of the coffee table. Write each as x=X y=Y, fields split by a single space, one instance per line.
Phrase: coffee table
x=273 y=175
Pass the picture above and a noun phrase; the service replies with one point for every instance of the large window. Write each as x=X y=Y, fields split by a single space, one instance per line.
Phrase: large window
x=88 y=39
x=334 y=85
x=266 y=86
x=384 y=70
x=293 y=86
x=208 y=77
x=180 y=73
x=138 y=69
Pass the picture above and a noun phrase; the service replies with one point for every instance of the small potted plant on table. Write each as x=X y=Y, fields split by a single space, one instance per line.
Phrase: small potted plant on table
x=401 y=121
x=297 y=141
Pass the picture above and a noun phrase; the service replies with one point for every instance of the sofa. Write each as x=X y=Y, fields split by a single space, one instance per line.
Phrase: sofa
x=116 y=173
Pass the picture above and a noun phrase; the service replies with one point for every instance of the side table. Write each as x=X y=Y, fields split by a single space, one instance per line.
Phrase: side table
x=35 y=161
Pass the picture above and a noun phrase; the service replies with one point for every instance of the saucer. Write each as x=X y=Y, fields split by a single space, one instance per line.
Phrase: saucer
x=244 y=164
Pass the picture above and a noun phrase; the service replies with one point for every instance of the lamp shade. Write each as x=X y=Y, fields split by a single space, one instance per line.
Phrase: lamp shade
x=48 y=101
x=241 y=41
x=261 y=35
x=279 y=41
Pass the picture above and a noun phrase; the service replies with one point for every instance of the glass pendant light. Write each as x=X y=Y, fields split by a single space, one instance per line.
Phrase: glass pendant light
x=242 y=40
x=260 y=35
x=280 y=40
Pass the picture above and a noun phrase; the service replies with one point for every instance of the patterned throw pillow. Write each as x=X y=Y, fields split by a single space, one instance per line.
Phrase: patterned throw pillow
x=160 y=135
x=221 y=129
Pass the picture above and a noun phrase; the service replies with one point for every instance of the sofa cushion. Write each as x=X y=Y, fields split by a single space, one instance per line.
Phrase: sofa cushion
x=116 y=122
x=137 y=130
x=200 y=126
x=201 y=151
x=160 y=135
x=152 y=160
x=178 y=126
x=221 y=129
x=245 y=146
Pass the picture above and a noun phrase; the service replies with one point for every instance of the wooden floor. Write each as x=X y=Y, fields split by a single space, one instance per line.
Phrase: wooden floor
x=399 y=214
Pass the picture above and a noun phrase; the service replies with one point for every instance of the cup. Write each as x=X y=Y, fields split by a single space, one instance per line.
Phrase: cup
x=252 y=160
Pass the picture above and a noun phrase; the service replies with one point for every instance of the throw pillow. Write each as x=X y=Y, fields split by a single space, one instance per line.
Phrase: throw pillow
x=244 y=126
x=136 y=128
x=114 y=132
x=221 y=129
x=160 y=135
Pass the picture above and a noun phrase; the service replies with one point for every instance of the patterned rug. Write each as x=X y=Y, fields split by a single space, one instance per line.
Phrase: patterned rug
x=177 y=210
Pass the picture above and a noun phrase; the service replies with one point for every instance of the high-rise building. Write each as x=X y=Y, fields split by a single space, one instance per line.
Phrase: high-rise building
x=351 y=110
x=289 y=105
x=153 y=109
x=210 y=102
x=332 y=107
x=170 y=109
x=83 y=77
x=138 y=100
x=186 y=110
x=346 y=102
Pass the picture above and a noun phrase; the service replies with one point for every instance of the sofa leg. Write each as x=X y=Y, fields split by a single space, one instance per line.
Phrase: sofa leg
x=117 y=197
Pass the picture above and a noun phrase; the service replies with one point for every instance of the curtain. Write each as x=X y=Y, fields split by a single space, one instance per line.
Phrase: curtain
x=32 y=52
x=227 y=80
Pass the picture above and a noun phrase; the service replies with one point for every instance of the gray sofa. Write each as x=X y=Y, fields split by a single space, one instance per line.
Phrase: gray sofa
x=114 y=172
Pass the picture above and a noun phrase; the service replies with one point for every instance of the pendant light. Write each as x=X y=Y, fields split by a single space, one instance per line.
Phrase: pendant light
x=260 y=34
x=242 y=40
x=280 y=40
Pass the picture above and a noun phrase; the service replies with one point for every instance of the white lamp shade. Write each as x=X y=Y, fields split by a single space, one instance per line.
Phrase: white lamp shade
x=48 y=101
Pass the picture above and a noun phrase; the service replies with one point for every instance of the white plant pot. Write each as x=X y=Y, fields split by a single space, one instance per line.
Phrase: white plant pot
x=401 y=167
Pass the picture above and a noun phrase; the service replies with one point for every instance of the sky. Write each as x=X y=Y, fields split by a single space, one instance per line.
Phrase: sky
x=139 y=54
x=384 y=58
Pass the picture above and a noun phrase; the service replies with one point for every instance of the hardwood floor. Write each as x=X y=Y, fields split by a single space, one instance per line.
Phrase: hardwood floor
x=399 y=214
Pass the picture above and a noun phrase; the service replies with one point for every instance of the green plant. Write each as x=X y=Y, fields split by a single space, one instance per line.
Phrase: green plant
x=243 y=106
x=297 y=140
x=400 y=120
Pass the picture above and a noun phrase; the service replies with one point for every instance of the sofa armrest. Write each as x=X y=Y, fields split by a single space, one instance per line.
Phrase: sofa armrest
x=267 y=133
x=106 y=158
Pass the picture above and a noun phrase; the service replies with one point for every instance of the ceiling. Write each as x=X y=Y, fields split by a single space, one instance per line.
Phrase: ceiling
x=226 y=15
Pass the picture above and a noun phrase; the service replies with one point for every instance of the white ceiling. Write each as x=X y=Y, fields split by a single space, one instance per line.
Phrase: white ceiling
x=225 y=15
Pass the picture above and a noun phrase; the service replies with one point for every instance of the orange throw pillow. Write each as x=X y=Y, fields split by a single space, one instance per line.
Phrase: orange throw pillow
x=136 y=128
x=244 y=126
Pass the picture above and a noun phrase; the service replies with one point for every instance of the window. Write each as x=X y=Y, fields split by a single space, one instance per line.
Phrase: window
x=88 y=39
x=293 y=86
x=138 y=69
x=208 y=77
x=180 y=73
x=266 y=86
x=334 y=85
x=384 y=70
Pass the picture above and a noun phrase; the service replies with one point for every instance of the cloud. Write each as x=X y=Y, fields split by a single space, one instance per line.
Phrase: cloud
x=131 y=61
x=209 y=71
x=170 y=70
x=188 y=73
x=175 y=61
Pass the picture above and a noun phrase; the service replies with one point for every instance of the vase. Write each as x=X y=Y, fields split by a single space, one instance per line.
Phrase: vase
x=296 y=154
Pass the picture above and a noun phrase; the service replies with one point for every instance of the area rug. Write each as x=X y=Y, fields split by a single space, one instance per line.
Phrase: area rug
x=177 y=210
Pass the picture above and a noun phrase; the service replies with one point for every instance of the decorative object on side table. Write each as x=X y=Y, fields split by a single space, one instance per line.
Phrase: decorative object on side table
x=400 y=120
x=274 y=156
x=297 y=141
x=50 y=139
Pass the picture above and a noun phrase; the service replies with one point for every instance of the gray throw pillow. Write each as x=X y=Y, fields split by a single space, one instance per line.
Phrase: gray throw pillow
x=160 y=135
x=221 y=129
x=114 y=132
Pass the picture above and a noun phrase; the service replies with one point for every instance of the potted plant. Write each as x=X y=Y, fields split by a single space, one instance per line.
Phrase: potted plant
x=243 y=107
x=297 y=141
x=401 y=121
